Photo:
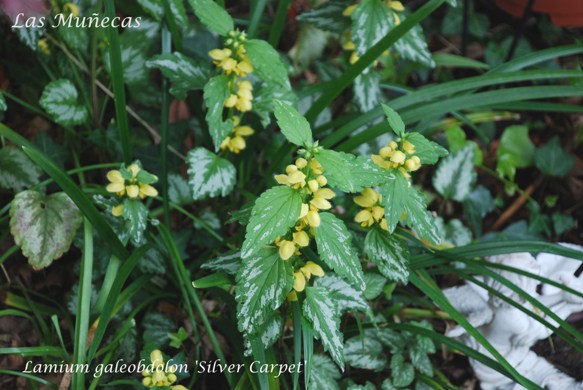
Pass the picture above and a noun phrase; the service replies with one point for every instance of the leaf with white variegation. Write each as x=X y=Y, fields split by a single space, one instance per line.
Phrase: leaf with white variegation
x=325 y=374
x=156 y=9
x=215 y=93
x=334 y=244
x=403 y=373
x=179 y=191
x=263 y=282
x=455 y=175
x=427 y=151
x=17 y=171
x=349 y=173
x=135 y=214
x=3 y=106
x=394 y=193
x=213 y=16
x=43 y=226
x=389 y=254
x=319 y=308
x=292 y=124
x=413 y=46
x=274 y=213
x=228 y=263
x=343 y=294
x=371 y=21
x=60 y=100
x=375 y=284
x=267 y=64
x=209 y=174
x=365 y=353
x=327 y=17
x=367 y=90
x=420 y=219
x=185 y=73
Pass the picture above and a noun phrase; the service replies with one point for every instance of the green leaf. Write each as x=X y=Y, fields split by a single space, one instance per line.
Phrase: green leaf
x=552 y=160
x=16 y=170
x=266 y=62
x=263 y=282
x=209 y=174
x=293 y=125
x=155 y=8
x=157 y=330
x=213 y=16
x=413 y=46
x=367 y=90
x=389 y=253
x=3 y=106
x=395 y=121
x=420 y=219
x=402 y=373
x=275 y=212
x=265 y=96
x=268 y=332
x=421 y=361
x=43 y=226
x=365 y=352
x=562 y=223
x=213 y=280
x=319 y=308
x=455 y=61
x=327 y=17
x=59 y=99
x=427 y=151
x=179 y=191
x=51 y=149
x=134 y=45
x=456 y=233
x=343 y=294
x=375 y=284
x=228 y=263
x=516 y=150
x=325 y=374
x=476 y=206
x=185 y=73
x=349 y=173
x=334 y=244
x=455 y=175
x=215 y=93
x=394 y=193
x=135 y=214
x=371 y=21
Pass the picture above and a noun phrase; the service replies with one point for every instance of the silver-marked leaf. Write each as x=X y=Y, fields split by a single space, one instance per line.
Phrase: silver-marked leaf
x=134 y=46
x=403 y=373
x=263 y=282
x=274 y=213
x=427 y=151
x=17 y=171
x=334 y=244
x=179 y=191
x=420 y=219
x=135 y=215
x=266 y=62
x=43 y=226
x=413 y=46
x=371 y=21
x=367 y=91
x=349 y=173
x=209 y=174
x=394 y=194
x=268 y=333
x=228 y=263
x=292 y=124
x=213 y=16
x=319 y=308
x=327 y=17
x=215 y=93
x=3 y=106
x=155 y=8
x=375 y=284
x=325 y=374
x=365 y=352
x=343 y=294
x=388 y=253
x=185 y=73
x=59 y=99
x=455 y=175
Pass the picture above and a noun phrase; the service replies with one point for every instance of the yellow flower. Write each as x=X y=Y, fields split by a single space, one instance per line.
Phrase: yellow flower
x=372 y=212
x=43 y=46
x=71 y=8
x=304 y=210
x=349 y=10
x=408 y=147
x=322 y=181
x=301 y=238
x=286 y=249
x=117 y=184
x=231 y=101
x=301 y=163
x=313 y=218
x=391 y=156
x=147 y=190
x=133 y=191
x=398 y=157
x=158 y=377
x=310 y=269
x=117 y=210
x=321 y=197
x=299 y=281
x=131 y=187
x=368 y=198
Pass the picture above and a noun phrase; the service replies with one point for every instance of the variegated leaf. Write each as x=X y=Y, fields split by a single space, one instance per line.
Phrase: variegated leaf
x=364 y=352
x=325 y=374
x=343 y=294
x=216 y=90
x=389 y=253
x=229 y=263
x=455 y=175
x=210 y=175
x=367 y=90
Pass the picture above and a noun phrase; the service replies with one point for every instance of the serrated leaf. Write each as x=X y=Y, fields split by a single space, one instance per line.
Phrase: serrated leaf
x=59 y=99
x=157 y=330
x=43 y=226
x=275 y=212
x=455 y=175
x=371 y=21
x=319 y=308
x=389 y=254
x=3 y=106
x=427 y=151
x=395 y=121
x=179 y=191
x=375 y=284
x=134 y=45
x=552 y=160
x=365 y=353
x=155 y=8
x=325 y=374
x=56 y=152
x=367 y=90
x=215 y=93
x=17 y=171
x=228 y=263
x=75 y=37
x=389 y=338
x=270 y=331
x=515 y=147
x=421 y=361
x=263 y=282
x=135 y=214
x=413 y=46
x=327 y=17
x=394 y=193
x=265 y=96
x=476 y=206
x=334 y=244
x=402 y=373
x=213 y=16
x=266 y=62
x=292 y=124
x=343 y=294
x=456 y=233
x=186 y=74
x=209 y=174
x=349 y=173
x=419 y=218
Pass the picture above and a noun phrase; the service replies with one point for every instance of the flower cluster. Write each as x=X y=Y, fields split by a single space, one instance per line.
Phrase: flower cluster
x=158 y=377
x=398 y=156
x=305 y=273
x=242 y=99
x=236 y=142
x=372 y=212
x=133 y=182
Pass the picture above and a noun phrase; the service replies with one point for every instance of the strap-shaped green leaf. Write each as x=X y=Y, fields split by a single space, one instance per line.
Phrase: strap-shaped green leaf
x=263 y=282
x=274 y=213
x=209 y=174
x=292 y=124
x=213 y=16
x=334 y=244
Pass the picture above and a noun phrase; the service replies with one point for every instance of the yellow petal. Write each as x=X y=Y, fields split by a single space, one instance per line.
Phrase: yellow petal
x=397 y=19
x=381 y=162
x=147 y=382
x=243 y=105
x=313 y=218
x=178 y=387
x=219 y=55
x=290 y=169
x=228 y=64
x=134 y=169
x=321 y=203
x=304 y=210
x=231 y=101
x=363 y=216
x=349 y=45
x=393 y=145
x=316 y=167
x=115 y=187
x=117 y=210
x=156 y=357
x=325 y=193
x=115 y=176
x=148 y=190
x=237 y=143
x=299 y=281
x=281 y=179
x=349 y=10
x=313 y=184
x=301 y=238
x=378 y=212
x=396 y=5
x=353 y=58
x=133 y=191
x=245 y=85
x=236 y=120
x=386 y=152
x=245 y=94
x=286 y=249
x=225 y=143
x=408 y=147
x=297 y=177
x=398 y=157
x=245 y=66
x=301 y=163
x=314 y=269
x=363 y=201
x=383 y=224
x=322 y=181
x=243 y=130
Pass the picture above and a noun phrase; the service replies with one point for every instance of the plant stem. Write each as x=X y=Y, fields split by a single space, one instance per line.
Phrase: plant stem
x=166 y=48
